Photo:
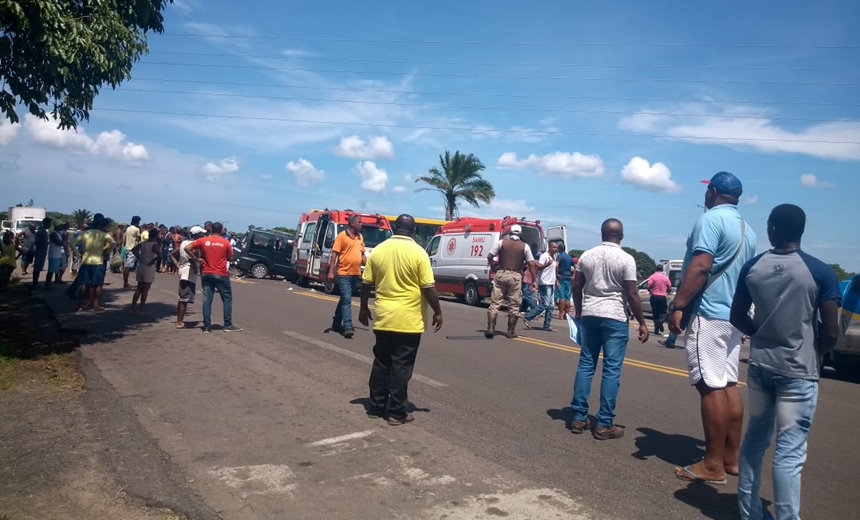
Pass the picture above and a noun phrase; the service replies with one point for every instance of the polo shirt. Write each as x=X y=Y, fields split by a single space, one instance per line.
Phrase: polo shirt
x=349 y=251
x=399 y=268
x=215 y=251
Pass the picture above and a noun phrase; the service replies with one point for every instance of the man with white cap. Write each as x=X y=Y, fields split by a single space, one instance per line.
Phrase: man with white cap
x=187 y=275
x=512 y=253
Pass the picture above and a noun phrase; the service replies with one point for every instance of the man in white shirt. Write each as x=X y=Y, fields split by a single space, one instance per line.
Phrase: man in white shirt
x=188 y=269
x=603 y=286
x=547 y=281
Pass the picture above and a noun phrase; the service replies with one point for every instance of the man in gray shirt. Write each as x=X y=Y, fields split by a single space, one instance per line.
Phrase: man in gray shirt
x=791 y=292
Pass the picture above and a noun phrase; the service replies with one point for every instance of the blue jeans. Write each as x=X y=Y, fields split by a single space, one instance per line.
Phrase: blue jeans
x=610 y=336
x=211 y=283
x=343 y=313
x=545 y=305
x=790 y=404
x=528 y=299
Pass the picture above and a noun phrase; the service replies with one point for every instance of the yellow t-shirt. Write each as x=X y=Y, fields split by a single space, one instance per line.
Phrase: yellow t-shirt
x=144 y=236
x=8 y=254
x=132 y=237
x=399 y=268
x=93 y=243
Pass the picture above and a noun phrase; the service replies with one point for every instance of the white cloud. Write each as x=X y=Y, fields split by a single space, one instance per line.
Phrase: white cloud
x=375 y=147
x=750 y=201
x=266 y=176
x=748 y=128
x=652 y=177
x=186 y=6
x=399 y=189
x=557 y=164
x=373 y=178
x=111 y=144
x=215 y=171
x=807 y=180
x=8 y=131
x=305 y=172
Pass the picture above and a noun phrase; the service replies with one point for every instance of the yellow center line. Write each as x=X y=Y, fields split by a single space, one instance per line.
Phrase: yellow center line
x=555 y=346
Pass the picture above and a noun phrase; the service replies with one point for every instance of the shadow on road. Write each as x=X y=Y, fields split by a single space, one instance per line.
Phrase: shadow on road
x=365 y=403
x=675 y=449
x=710 y=502
x=566 y=414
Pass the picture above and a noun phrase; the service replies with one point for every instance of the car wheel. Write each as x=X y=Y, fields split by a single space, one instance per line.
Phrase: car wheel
x=259 y=271
x=471 y=296
x=301 y=281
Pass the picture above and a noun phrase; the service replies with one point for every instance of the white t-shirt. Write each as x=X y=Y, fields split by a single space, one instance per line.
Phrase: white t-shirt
x=56 y=251
x=187 y=268
x=548 y=275
x=606 y=268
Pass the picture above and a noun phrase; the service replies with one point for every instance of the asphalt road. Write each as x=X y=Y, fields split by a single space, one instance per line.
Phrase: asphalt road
x=483 y=406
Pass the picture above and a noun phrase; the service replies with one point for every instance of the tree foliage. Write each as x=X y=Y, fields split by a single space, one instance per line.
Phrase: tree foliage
x=79 y=216
x=289 y=231
x=645 y=265
x=841 y=274
x=57 y=54
x=459 y=178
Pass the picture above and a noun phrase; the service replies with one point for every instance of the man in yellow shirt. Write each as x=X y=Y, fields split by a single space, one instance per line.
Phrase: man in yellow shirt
x=94 y=244
x=400 y=270
x=347 y=254
x=8 y=250
x=132 y=238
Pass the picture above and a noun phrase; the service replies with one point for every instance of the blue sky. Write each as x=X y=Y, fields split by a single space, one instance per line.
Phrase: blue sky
x=580 y=111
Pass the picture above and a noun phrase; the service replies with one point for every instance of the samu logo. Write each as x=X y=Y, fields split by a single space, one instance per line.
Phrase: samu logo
x=779 y=269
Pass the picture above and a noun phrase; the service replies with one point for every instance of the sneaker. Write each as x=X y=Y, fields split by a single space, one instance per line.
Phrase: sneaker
x=579 y=427
x=207 y=331
x=665 y=334
x=666 y=344
x=399 y=422
x=348 y=334
x=603 y=433
x=232 y=328
x=374 y=415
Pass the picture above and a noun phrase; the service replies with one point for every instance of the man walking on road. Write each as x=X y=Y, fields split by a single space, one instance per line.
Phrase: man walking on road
x=400 y=270
x=603 y=287
x=347 y=257
x=564 y=268
x=214 y=253
x=790 y=290
x=132 y=238
x=717 y=248
x=659 y=286
x=513 y=254
x=40 y=255
x=547 y=282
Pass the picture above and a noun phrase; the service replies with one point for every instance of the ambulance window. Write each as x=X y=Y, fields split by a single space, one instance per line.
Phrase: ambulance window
x=308 y=237
x=433 y=248
x=329 y=235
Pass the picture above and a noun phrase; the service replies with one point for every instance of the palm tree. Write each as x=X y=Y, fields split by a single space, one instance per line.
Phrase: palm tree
x=458 y=178
x=81 y=215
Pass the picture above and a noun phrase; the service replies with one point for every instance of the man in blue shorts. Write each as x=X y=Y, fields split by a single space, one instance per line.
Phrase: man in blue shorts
x=564 y=268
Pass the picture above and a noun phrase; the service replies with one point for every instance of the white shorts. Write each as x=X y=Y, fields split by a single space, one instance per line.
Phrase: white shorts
x=713 y=351
x=130 y=260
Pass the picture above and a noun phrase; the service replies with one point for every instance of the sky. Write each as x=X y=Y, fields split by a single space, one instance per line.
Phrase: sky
x=579 y=111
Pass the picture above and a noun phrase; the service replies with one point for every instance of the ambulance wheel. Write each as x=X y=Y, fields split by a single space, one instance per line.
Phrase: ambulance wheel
x=301 y=281
x=470 y=294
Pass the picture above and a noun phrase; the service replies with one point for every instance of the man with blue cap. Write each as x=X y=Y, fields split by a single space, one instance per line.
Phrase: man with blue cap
x=717 y=248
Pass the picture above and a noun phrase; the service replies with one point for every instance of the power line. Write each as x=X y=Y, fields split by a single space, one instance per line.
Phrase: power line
x=470 y=107
x=526 y=44
x=497 y=94
x=311 y=57
x=496 y=76
x=467 y=129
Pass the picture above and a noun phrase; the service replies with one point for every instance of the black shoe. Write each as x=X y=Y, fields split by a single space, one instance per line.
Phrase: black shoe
x=665 y=343
x=207 y=331
x=232 y=328
x=348 y=334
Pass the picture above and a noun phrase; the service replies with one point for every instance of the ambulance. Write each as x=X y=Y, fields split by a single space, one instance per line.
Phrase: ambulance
x=315 y=234
x=458 y=253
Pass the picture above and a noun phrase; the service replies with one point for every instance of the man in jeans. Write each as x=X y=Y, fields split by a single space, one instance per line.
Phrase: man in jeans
x=400 y=270
x=347 y=256
x=547 y=282
x=215 y=252
x=790 y=290
x=603 y=286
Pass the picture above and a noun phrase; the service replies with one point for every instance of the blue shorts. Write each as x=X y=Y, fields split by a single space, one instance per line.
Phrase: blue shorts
x=563 y=292
x=55 y=265
x=92 y=275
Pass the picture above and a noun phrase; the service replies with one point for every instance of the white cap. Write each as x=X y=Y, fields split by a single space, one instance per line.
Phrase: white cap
x=516 y=229
x=196 y=230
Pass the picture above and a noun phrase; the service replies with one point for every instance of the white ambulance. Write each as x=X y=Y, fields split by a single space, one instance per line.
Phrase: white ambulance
x=458 y=253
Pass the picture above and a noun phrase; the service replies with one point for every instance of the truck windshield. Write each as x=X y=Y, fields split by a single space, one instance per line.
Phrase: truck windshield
x=24 y=224
x=373 y=236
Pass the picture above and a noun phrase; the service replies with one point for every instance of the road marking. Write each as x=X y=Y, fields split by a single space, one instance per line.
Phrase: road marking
x=360 y=357
x=342 y=438
x=331 y=299
x=264 y=479
x=240 y=280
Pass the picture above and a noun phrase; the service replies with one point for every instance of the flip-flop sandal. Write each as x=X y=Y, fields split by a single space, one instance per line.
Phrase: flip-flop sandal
x=732 y=473
x=527 y=325
x=689 y=476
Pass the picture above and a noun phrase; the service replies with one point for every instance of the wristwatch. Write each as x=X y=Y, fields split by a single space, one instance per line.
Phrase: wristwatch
x=674 y=308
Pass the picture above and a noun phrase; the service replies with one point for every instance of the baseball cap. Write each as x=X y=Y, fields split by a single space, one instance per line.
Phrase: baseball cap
x=727 y=183
x=516 y=229
x=196 y=230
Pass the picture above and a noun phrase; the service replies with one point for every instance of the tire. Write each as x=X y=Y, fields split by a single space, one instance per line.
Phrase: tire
x=259 y=270
x=301 y=281
x=470 y=294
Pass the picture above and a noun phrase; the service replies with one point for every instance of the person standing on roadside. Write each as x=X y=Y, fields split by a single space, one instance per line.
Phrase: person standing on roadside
x=8 y=250
x=56 y=255
x=603 y=287
x=214 y=253
x=659 y=286
x=40 y=250
x=719 y=245
x=507 y=292
x=187 y=270
x=564 y=267
x=547 y=282
x=400 y=270
x=148 y=254
x=347 y=257
x=132 y=238
x=791 y=290
x=28 y=247
x=91 y=276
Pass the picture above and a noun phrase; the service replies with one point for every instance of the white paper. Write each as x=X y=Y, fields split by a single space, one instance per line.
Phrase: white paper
x=574 y=329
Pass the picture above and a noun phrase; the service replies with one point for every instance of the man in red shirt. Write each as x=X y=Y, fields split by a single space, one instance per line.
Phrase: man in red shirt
x=214 y=253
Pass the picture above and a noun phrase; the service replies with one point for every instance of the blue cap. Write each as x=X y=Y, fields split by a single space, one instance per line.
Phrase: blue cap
x=727 y=183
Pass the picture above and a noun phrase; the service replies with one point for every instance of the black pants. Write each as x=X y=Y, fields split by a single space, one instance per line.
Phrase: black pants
x=394 y=359
x=659 y=308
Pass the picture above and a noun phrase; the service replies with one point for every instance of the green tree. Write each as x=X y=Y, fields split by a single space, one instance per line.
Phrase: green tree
x=59 y=53
x=841 y=274
x=80 y=215
x=458 y=179
x=576 y=253
x=289 y=231
x=645 y=265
